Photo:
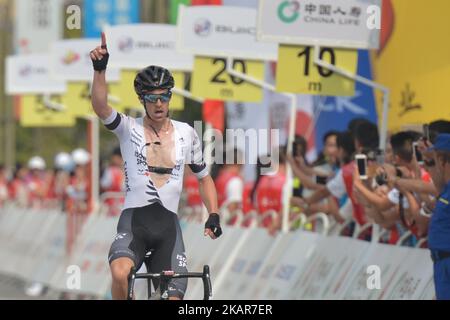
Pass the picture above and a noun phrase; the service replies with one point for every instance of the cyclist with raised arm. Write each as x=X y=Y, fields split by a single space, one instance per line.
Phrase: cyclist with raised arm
x=155 y=150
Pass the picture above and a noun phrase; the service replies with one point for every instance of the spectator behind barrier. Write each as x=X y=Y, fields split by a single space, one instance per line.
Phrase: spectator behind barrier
x=113 y=181
x=229 y=183
x=3 y=186
x=269 y=194
x=36 y=182
x=79 y=187
x=366 y=139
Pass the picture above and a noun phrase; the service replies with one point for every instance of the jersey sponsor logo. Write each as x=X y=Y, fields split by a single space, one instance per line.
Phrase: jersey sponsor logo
x=182 y=261
x=127 y=180
x=176 y=170
x=140 y=158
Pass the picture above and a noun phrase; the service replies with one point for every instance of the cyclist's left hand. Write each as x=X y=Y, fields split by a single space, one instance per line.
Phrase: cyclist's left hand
x=212 y=226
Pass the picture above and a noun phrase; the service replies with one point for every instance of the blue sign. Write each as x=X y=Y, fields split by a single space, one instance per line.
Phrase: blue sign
x=337 y=112
x=98 y=13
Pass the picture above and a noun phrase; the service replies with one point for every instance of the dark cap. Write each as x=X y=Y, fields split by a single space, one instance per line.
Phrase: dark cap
x=442 y=142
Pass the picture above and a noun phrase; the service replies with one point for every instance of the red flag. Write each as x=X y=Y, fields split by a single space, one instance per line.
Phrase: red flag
x=387 y=24
x=213 y=113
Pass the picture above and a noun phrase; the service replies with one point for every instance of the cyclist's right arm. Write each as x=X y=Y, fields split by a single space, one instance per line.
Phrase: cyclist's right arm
x=99 y=93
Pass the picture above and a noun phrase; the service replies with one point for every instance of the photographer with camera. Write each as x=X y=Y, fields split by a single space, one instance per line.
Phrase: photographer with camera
x=399 y=208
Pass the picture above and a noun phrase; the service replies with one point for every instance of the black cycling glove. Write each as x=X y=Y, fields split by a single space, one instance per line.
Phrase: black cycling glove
x=213 y=223
x=100 y=65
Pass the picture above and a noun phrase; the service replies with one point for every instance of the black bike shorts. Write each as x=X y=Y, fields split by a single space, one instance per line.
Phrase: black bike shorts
x=156 y=229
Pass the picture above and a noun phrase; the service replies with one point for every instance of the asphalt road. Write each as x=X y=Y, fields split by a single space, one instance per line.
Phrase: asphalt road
x=12 y=288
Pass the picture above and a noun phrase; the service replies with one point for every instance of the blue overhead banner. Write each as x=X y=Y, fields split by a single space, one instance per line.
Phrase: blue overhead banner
x=336 y=112
x=97 y=13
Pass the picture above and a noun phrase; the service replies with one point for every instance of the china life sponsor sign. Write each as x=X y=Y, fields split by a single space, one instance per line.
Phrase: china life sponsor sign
x=388 y=259
x=37 y=23
x=336 y=23
x=100 y=13
x=70 y=60
x=266 y=271
x=219 y=31
x=139 y=45
x=246 y=265
x=219 y=261
x=350 y=255
x=413 y=276
x=290 y=266
x=318 y=271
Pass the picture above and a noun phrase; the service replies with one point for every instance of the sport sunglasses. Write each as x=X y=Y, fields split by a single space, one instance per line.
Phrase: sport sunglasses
x=153 y=98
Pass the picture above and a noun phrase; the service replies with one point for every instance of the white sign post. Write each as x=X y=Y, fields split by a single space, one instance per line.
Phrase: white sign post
x=37 y=23
x=71 y=60
x=30 y=74
x=221 y=32
x=136 y=46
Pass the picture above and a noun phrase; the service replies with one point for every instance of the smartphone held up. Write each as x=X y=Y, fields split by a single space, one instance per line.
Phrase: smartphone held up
x=361 y=162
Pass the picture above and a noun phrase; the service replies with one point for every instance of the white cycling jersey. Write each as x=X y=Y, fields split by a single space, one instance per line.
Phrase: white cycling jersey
x=139 y=188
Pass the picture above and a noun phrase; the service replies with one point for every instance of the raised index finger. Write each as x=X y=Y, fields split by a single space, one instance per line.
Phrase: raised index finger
x=103 y=41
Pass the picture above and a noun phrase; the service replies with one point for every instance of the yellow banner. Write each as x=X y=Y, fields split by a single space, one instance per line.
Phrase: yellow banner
x=177 y=101
x=210 y=80
x=414 y=64
x=33 y=112
x=78 y=99
x=297 y=73
x=122 y=96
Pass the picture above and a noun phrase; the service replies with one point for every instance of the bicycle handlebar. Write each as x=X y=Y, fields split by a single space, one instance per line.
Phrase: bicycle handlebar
x=166 y=276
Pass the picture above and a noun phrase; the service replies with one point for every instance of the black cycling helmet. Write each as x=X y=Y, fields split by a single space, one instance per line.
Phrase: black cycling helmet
x=151 y=78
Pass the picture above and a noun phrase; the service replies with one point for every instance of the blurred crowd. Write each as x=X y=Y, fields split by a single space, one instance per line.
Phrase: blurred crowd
x=392 y=188
x=66 y=186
